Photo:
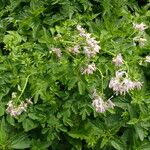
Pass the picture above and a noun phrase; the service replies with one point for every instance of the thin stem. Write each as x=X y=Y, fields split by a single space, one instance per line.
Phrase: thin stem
x=126 y=65
x=109 y=52
x=69 y=42
x=69 y=54
x=102 y=77
x=24 y=87
x=131 y=35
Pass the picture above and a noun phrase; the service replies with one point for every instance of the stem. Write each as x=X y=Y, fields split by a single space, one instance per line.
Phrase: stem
x=131 y=35
x=126 y=65
x=102 y=77
x=69 y=42
x=23 y=87
x=69 y=54
x=109 y=52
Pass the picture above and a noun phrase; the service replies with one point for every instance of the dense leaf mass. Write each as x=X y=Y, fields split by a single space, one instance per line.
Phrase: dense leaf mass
x=74 y=74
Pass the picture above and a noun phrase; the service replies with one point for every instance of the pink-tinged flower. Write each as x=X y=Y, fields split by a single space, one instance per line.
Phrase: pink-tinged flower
x=147 y=59
x=128 y=84
x=121 y=74
x=90 y=69
x=94 y=94
x=15 y=110
x=57 y=51
x=87 y=51
x=140 y=27
x=91 y=48
x=110 y=104
x=99 y=105
x=118 y=60
x=137 y=85
x=115 y=85
x=76 y=49
x=121 y=84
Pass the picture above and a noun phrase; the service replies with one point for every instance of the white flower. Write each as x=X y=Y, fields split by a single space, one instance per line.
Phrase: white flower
x=90 y=69
x=147 y=59
x=127 y=85
x=137 y=85
x=76 y=49
x=118 y=60
x=120 y=74
x=91 y=48
x=79 y=28
x=99 y=104
x=57 y=51
x=15 y=110
x=110 y=104
x=87 y=51
x=140 y=40
x=115 y=85
x=13 y=95
x=140 y=27
x=121 y=84
x=29 y=101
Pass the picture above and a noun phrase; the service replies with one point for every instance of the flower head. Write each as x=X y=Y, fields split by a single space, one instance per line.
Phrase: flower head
x=118 y=60
x=110 y=104
x=140 y=27
x=147 y=59
x=57 y=51
x=121 y=84
x=140 y=40
x=90 y=69
x=99 y=104
x=92 y=46
x=15 y=110
x=13 y=95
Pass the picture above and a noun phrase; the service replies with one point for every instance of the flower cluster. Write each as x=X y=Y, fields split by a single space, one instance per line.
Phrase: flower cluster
x=92 y=47
x=140 y=38
x=90 y=69
x=75 y=50
x=118 y=60
x=121 y=84
x=100 y=105
x=140 y=27
x=14 y=110
x=57 y=51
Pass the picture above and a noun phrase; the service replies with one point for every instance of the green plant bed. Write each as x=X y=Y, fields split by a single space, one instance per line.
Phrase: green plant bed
x=74 y=75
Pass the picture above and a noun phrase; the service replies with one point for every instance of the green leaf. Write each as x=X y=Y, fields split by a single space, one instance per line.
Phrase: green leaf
x=117 y=144
x=105 y=140
x=10 y=120
x=77 y=135
x=72 y=83
x=20 y=142
x=28 y=124
x=133 y=121
x=2 y=109
x=140 y=132
x=3 y=133
x=81 y=87
x=145 y=146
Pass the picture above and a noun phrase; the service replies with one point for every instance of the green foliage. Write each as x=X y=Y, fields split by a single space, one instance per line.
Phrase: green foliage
x=37 y=38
